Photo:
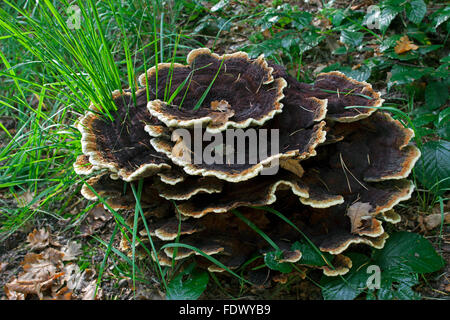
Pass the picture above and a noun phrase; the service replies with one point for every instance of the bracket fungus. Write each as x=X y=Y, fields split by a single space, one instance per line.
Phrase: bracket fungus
x=335 y=166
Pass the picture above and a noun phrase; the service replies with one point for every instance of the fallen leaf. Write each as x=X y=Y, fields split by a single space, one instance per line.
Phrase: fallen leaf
x=280 y=278
x=3 y=266
x=221 y=105
x=404 y=45
x=95 y=219
x=38 y=239
x=89 y=291
x=13 y=295
x=72 y=276
x=71 y=251
x=222 y=113
x=24 y=199
x=434 y=220
x=76 y=279
x=360 y=217
x=62 y=294
x=266 y=33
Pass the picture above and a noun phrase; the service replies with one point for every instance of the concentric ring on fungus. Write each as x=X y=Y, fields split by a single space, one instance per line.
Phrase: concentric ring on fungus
x=369 y=164
x=341 y=92
x=243 y=93
x=122 y=145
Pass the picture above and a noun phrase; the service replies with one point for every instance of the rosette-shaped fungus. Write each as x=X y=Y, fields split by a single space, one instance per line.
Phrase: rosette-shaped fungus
x=320 y=154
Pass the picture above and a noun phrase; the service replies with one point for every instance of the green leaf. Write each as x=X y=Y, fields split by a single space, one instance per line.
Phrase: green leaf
x=334 y=288
x=310 y=256
x=424 y=119
x=433 y=168
x=271 y=260
x=439 y=17
x=410 y=250
x=188 y=284
x=436 y=94
x=360 y=74
x=389 y=42
x=301 y=19
x=443 y=124
x=416 y=10
x=351 y=38
x=386 y=16
x=406 y=74
x=397 y=283
x=309 y=40
x=337 y=17
x=220 y=5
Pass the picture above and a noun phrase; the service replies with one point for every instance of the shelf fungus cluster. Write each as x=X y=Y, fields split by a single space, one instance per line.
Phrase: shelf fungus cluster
x=224 y=144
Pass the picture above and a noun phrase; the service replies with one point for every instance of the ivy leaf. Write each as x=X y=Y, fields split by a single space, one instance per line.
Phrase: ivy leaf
x=351 y=38
x=424 y=119
x=436 y=94
x=406 y=74
x=439 y=17
x=271 y=259
x=220 y=5
x=334 y=288
x=310 y=256
x=188 y=284
x=309 y=40
x=301 y=19
x=433 y=168
x=360 y=74
x=387 y=14
x=397 y=283
x=416 y=10
x=410 y=250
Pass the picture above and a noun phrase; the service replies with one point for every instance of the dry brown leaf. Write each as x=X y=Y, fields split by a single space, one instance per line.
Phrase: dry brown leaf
x=359 y=215
x=13 y=295
x=71 y=251
x=72 y=276
x=434 y=220
x=180 y=149
x=24 y=199
x=27 y=284
x=62 y=294
x=404 y=45
x=38 y=239
x=266 y=33
x=280 y=278
x=221 y=105
x=3 y=266
x=222 y=114
x=95 y=219
x=40 y=272
x=88 y=292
